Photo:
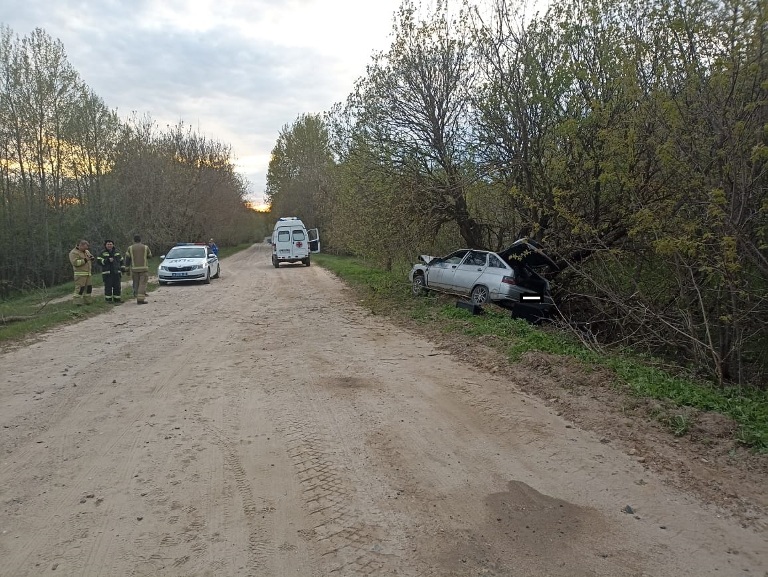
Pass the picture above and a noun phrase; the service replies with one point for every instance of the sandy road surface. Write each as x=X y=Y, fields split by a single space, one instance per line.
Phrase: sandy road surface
x=264 y=425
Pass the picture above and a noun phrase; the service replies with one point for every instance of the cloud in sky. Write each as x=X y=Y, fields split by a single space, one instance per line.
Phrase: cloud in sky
x=237 y=71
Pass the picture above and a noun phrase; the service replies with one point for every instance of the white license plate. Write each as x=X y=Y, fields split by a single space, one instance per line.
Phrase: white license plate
x=178 y=274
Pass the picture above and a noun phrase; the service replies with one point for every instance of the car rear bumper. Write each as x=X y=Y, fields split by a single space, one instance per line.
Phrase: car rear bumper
x=530 y=301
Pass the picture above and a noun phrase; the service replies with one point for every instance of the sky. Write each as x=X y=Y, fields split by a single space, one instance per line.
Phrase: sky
x=236 y=71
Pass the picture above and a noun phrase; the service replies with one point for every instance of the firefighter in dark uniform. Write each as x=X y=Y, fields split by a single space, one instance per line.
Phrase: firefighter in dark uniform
x=111 y=262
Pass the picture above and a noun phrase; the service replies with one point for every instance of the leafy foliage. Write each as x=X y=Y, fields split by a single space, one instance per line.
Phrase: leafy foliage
x=300 y=170
x=71 y=169
x=628 y=137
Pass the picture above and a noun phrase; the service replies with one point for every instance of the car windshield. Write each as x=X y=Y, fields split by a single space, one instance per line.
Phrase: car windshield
x=186 y=252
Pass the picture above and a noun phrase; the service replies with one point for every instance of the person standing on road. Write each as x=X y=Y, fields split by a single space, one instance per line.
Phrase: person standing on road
x=213 y=247
x=137 y=257
x=111 y=262
x=81 y=259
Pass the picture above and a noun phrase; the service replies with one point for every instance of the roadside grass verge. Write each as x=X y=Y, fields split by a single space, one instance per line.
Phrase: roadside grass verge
x=38 y=309
x=388 y=293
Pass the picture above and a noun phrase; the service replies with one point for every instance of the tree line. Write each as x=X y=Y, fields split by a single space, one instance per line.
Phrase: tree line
x=71 y=169
x=630 y=137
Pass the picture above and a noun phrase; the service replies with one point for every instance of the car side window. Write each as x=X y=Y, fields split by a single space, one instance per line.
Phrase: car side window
x=456 y=257
x=495 y=262
x=476 y=259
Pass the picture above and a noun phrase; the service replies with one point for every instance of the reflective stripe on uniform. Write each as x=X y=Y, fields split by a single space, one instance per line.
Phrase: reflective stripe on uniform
x=144 y=268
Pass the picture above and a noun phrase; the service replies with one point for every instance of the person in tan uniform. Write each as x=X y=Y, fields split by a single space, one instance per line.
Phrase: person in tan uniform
x=81 y=258
x=137 y=258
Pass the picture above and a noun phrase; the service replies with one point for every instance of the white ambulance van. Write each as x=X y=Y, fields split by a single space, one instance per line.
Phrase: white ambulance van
x=292 y=242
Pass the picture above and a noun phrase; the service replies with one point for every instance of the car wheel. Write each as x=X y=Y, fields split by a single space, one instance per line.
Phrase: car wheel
x=275 y=263
x=480 y=295
x=218 y=272
x=207 y=276
x=306 y=262
x=418 y=287
x=161 y=282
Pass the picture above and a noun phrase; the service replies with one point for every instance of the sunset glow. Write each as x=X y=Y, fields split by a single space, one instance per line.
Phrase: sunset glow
x=258 y=207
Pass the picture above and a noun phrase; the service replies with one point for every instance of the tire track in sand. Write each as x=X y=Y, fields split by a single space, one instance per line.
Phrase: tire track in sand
x=258 y=539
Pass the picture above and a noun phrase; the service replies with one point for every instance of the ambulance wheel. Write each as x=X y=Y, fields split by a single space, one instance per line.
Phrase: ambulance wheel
x=306 y=262
x=275 y=263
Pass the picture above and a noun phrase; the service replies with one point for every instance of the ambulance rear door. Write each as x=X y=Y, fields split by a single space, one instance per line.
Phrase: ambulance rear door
x=314 y=240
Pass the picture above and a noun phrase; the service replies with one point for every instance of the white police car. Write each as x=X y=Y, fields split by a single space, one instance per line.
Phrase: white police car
x=188 y=261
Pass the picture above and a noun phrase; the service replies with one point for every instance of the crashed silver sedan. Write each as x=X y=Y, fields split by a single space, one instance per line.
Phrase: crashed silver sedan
x=510 y=278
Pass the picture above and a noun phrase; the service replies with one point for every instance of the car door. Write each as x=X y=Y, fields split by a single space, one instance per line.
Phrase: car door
x=440 y=271
x=213 y=261
x=465 y=275
x=494 y=277
x=282 y=247
x=299 y=245
x=314 y=240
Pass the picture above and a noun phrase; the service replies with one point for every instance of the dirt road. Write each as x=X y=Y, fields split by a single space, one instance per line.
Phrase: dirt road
x=264 y=425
